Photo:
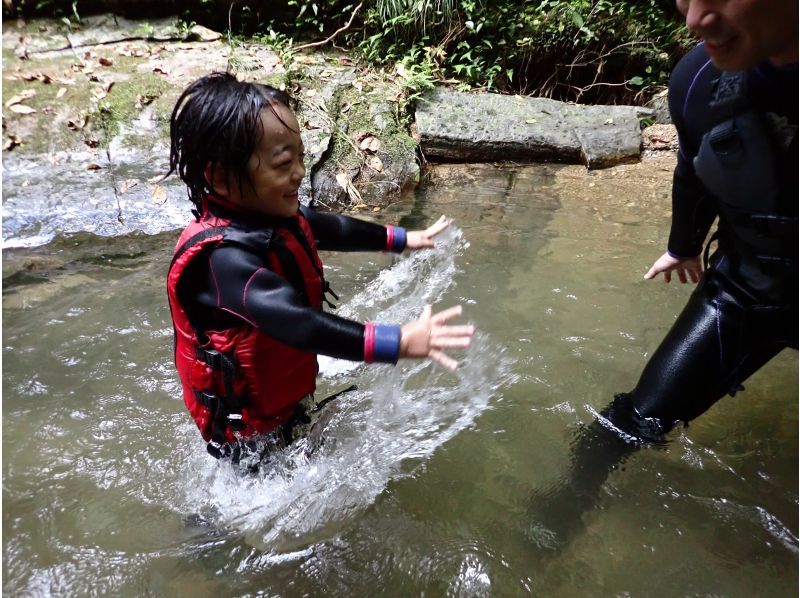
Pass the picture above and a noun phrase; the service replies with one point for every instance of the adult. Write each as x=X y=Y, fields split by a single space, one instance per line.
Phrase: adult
x=734 y=101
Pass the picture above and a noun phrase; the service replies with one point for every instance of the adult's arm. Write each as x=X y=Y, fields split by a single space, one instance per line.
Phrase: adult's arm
x=693 y=210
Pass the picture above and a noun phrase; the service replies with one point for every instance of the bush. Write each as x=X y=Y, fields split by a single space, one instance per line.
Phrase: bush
x=581 y=50
x=576 y=50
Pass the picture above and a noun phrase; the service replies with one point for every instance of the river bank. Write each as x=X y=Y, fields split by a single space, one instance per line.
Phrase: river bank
x=87 y=107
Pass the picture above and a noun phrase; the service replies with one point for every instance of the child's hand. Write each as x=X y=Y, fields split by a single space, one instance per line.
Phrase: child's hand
x=429 y=334
x=423 y=239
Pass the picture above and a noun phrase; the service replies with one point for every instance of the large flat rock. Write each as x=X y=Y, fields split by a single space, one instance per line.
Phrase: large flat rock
x=467 y=127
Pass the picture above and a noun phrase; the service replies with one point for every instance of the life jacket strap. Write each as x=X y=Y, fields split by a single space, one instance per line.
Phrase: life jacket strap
x=226 y=409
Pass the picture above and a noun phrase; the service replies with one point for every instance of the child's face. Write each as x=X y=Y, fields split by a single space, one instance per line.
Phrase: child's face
x=275 y=169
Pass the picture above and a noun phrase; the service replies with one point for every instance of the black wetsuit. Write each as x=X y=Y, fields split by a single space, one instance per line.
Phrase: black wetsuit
x=744 y=310
x=216 y=292
x=742 y=313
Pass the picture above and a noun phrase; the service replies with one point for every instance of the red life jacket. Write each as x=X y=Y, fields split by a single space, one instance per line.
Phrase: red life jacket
x=240 y=380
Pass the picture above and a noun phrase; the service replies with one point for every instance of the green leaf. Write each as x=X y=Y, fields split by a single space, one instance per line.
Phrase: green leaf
x=636 y=81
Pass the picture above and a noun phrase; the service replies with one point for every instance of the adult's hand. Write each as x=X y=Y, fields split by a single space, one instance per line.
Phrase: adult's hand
x=426 y=337
x=423 y=239
x=686 y=268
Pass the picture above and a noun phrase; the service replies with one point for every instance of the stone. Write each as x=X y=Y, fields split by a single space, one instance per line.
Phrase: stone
x=457 y=127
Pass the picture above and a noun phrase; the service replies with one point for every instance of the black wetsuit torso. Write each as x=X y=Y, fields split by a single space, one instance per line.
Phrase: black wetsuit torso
x=234 y=286
x=740 y=315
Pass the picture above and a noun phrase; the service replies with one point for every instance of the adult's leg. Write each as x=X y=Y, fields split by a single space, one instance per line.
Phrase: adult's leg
x=720 y=338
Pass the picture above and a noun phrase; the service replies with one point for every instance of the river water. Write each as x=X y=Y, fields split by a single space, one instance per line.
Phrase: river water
x=428 y=483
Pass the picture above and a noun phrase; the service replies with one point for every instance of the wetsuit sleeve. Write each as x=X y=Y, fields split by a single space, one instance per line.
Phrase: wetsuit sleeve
x=335 y=232
x=240 y=288
x=693 y=211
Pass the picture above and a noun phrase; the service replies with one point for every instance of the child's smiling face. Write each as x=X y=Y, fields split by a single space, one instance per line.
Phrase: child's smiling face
x=275 y=169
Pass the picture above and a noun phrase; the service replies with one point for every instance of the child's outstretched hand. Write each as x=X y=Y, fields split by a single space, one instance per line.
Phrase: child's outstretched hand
x=428 y=335
x=423 y=239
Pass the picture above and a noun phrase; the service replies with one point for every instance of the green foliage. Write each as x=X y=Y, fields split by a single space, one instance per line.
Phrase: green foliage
x=581 y=50
x=570 y=49
x=587 y=50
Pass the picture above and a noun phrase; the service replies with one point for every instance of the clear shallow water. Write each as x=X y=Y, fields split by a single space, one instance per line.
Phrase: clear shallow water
x=429 y=482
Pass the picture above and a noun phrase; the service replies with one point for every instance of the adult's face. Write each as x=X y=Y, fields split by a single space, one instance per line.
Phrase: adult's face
x=742 y=33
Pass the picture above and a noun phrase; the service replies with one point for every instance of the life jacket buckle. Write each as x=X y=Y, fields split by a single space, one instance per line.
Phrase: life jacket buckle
x=207 y=399
x=235 y=422
x=218 y=450
x=210 y=357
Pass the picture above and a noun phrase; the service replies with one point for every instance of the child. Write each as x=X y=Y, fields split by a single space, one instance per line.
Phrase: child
x=246 y=285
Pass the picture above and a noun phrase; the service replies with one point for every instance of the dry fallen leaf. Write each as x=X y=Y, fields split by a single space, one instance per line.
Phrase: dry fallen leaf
x=370 y=144
x=159 y=194
x=61 y=92
x=78 y=123
x=21 y=97
x=93 y=166
x=343 y=180
x=161 y=70
x=92 y=141
x=346 y=183
x=22 y=109
x=105 y=61
x=375 y=163
x=39 y=76
x=11 y=142
x=123 y=186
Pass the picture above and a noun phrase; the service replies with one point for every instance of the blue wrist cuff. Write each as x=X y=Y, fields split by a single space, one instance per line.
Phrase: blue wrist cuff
x=387 y=343
x=399 y=241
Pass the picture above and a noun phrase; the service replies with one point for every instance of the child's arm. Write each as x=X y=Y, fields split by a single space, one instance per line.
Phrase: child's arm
x=343 y=233
x=240 y=288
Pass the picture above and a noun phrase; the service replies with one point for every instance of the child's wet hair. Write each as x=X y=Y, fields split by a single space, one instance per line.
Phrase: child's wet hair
x=216 y=121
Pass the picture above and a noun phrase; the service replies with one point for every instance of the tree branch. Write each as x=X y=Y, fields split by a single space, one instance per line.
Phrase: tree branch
x=334 y=34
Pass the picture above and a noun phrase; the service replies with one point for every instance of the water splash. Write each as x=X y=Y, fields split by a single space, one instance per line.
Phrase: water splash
x=398 y=418
x=398 y=294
